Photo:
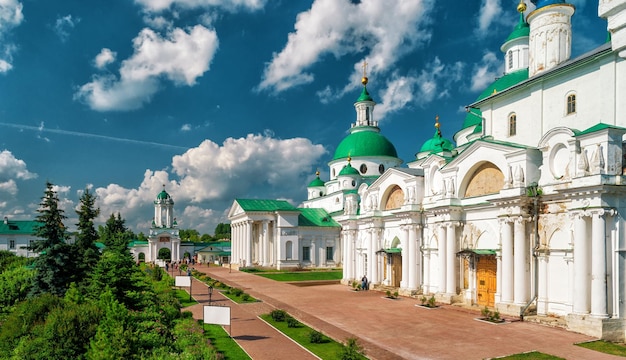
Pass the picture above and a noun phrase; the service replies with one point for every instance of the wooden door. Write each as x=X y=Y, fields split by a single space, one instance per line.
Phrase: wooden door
x=396 y=270
x=486 y=280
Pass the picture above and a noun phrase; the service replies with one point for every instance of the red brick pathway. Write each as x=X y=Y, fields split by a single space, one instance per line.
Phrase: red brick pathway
x=388 y=329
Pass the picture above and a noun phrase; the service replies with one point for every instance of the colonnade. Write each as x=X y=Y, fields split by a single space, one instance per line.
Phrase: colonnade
x=590 y=262
x=241 y=249
x=513 y=275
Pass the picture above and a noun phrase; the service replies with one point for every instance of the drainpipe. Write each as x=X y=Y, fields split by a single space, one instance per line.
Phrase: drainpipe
x=534 y=191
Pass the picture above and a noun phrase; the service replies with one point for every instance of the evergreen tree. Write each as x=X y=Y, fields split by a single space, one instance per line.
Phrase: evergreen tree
x=53 y=263
x=86 y=252
x=114 y=234
x=222 y=231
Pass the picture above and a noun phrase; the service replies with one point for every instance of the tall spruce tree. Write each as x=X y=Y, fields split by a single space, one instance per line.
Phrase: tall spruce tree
x=115 y=234
x=85 y=251
x=53 y=264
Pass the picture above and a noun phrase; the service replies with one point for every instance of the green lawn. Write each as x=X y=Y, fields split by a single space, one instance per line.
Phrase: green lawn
x=223 y=343
x=183 y=297
x=328 y=349
x=533 y=355
x=303 y=275
x=605 y=347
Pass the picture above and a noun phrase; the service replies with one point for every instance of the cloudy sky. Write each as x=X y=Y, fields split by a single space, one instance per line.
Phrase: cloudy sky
x=224 y=99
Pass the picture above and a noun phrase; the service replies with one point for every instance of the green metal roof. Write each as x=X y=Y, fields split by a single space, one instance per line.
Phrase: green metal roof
x=348 y=170
x=521 y=30
x=598 y=127
x=365 y=141
x=163 y=195
x=474 y=116
x=15 y=227
x=437 y=144
x=315 y=217
x=316 y=182
x=365 y=96
x=265 y=205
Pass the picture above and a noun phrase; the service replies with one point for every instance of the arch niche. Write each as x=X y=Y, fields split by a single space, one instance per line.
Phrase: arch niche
x=485 y=180
x=394 y=198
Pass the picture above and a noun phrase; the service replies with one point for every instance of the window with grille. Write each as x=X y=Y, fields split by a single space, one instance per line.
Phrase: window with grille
x=571 y=104
x=512 y=124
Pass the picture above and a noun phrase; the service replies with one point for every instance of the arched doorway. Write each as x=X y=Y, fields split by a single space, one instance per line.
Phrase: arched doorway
x=141 y=257
x=164 y=254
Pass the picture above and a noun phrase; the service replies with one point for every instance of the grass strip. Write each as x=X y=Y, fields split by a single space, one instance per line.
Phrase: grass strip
x=605 y=347
x=327 y=349
x=183 y=297
x=532 y=355
x=303 y=275
x=223 y=343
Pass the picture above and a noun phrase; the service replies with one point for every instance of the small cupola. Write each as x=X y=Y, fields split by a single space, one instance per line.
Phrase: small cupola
x=349 y=177
x=316 y=188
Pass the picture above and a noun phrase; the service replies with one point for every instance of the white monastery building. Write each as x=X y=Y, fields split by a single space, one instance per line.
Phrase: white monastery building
x=526 y=213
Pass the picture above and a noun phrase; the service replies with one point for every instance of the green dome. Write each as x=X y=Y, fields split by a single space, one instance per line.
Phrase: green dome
x=348 y=170
x=365 y=96
x=437 y=144
x=473 y=117
x=163 y=195
x=521 y=30
x=365 y=143
x=316 y=182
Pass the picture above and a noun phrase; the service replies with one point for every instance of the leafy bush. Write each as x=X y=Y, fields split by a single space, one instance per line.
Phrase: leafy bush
x=236 y=291
x=352 y=350
x=245 y=297
x=292 y=322
x=316 y=337
x=278 y=315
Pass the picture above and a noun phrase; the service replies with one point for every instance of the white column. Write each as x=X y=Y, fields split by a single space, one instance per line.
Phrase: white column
x=413 y=261
x=371 y=256
x=581 y=284
x=247 y=256
x=498 y=294
x=344 y=254
x=265 y=244
x=404 y=282
x=441 y=240
x=507 y=261
x=451 y=274
x=352 y=251
x=542 y=286
x=520 y=292
x=426 y=282
x=313 y=252
x=598 y=265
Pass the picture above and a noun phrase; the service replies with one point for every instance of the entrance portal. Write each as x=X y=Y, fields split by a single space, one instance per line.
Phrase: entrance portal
x=164 y=254
x=486 y=280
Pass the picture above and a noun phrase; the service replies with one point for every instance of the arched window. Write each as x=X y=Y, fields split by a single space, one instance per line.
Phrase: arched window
x=512 y=124
x=363 y=168
x=571 y=104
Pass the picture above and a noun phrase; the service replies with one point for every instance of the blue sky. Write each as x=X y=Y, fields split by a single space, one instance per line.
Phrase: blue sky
x=222 y=99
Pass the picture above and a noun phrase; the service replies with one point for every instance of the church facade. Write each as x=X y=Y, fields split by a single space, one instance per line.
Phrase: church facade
x=524 y=212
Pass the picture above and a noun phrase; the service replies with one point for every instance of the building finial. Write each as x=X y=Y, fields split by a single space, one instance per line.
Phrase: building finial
x=437 y=124
x=364 y=78
x=521 y=7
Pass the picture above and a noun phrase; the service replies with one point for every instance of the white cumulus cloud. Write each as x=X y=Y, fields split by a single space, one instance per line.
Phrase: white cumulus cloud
x=210 y=176
x=10 y=17
x=230 y=5
x=104 y=58
x=180 y=56
x=63 y=25
x=485 y=72
x=382 y=30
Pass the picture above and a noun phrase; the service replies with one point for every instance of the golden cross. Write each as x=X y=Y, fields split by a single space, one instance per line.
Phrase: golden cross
x=364 y=68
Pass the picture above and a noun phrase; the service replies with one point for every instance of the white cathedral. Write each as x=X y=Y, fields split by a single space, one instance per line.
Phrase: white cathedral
x=523 y=214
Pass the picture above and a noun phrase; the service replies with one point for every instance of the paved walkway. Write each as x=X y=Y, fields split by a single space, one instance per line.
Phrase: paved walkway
x=387 y=329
